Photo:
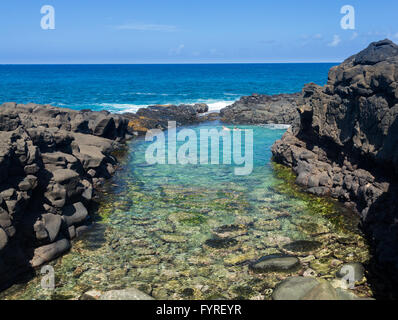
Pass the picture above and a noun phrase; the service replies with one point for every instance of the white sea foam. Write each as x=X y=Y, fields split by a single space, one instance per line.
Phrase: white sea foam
x=120 y=107
x=276 y=126
x=214 y=106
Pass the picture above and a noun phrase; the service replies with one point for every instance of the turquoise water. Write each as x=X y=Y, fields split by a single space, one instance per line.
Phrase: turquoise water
x=190 y=231
x=119 y=88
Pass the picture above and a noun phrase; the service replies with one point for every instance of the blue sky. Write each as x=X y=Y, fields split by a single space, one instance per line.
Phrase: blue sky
x=190 y=31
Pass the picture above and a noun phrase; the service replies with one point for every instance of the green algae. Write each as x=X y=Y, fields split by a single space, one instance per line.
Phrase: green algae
x=314 y=205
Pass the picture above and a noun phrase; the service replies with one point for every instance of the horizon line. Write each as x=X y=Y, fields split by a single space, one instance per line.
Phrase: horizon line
x=172 y=63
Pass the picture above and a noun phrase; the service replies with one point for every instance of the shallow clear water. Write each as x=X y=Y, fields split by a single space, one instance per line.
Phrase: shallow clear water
x=190 y=231
x=120 y=88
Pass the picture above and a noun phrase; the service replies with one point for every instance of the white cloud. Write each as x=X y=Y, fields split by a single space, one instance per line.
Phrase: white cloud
x=395 y=35
x=318 y=36
x=146 y=27
x=354 y=35
x=335 y=42
x=177 y=51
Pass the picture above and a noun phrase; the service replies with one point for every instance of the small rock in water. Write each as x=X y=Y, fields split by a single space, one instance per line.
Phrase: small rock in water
x=238 y=259
x=302 y=246
x=172 y=238
x=220 y=243
x=230 y=231
x=275 y=263
x=294 y=288
x=91 y=295
x=188 y=292
x=126 y=294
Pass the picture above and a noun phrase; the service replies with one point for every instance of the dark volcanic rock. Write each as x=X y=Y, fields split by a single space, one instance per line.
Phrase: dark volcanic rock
x=220 y=243
x=347 y=144
x=263 y=109
x=49 y=252
x=157 y=117
x=302 y=246
x=47 y=159
x=182 y=114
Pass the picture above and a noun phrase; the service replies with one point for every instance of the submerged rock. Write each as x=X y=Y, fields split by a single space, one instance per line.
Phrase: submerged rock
x=172 y=238
x=302 y=246
x=49 y=252
x=221 y=243
x=230 y=231
x=308 y=288
x=294 y=288
x=125 y=294
x=275 y=263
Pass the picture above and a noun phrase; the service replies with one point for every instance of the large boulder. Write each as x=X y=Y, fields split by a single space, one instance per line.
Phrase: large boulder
x=3 y=238
x=75 y=213
x=49 y=252
x=52 y=224
x=182 y=114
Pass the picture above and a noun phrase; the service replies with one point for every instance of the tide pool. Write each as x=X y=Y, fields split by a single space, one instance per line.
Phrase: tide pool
x=191 y=231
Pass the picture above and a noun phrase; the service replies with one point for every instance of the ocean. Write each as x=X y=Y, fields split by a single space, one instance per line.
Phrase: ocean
x=122 y=88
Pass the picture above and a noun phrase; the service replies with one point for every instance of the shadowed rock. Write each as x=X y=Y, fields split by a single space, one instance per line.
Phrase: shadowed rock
x=302 y=246
x=346 y=144
x=221 y=243
x=51 y=160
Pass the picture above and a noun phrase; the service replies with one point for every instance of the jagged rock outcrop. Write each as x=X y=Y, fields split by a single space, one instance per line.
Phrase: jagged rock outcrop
x=51 y=160
x=182 y=114
x=157 y=117
x=263 y=109
x=347 y=143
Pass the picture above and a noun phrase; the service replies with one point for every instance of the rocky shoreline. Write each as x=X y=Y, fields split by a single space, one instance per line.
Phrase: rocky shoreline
x=346 y=145
x=342 y=143
x=52 y=160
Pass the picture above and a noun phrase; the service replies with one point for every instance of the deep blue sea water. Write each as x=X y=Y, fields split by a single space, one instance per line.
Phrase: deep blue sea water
x=121 y=88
